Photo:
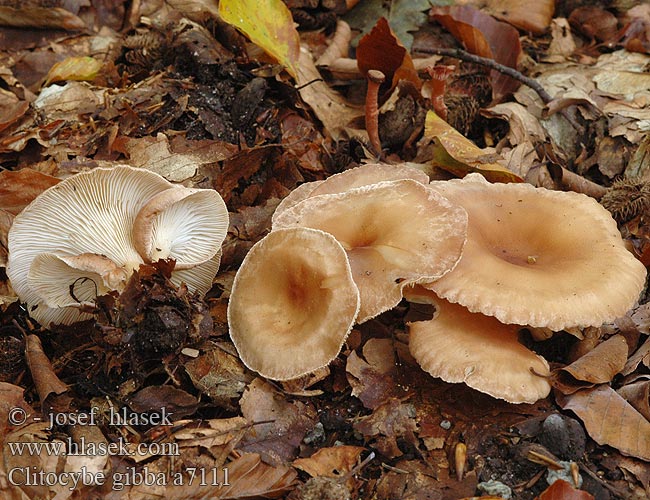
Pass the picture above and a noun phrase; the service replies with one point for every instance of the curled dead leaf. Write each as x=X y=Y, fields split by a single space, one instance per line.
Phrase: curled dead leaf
x=610 y=420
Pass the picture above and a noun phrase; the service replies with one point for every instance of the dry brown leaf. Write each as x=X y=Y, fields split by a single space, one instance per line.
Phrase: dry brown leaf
x=330 y=108
x=45 y=378
x=637 y=394
x=532 y=15
x=277 y=426
x=175 y=402
x=561 y=490
x=457 y=154
x=484 y=36
x=373 y=380
x=19 y=187
x=381 y=50
x=218 y=374
x=596 y=367
x=642 y=355
x=40 y=17
x=388 y=423
x=330 y=462
x=610 y=420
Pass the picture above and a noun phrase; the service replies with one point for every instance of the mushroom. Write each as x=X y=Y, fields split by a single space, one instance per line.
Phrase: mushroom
x=538 y=257
x=187 y=225
x=369 y=173
x=460 y=346
x=395 y=233
x=293 y=303
x=90 y=215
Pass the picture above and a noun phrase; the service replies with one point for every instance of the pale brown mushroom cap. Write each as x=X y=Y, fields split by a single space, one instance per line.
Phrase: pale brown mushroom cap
x=299 y=194
x=369 y=173
x=460 y=346
x=187 y=225
x=293 y=303
x=395 y=233
x=538 y=257
x=364 y=175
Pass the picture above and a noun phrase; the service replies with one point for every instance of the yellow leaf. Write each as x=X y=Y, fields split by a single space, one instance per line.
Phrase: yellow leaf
x=268 y=24
x=455 y=153
x=74 y=68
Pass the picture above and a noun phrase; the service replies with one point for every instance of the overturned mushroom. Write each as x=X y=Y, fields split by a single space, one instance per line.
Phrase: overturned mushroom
x=293 y=303
x=538 y=257
x=187 y=225
x=76 y=240
x=460 y=346
x=395 y=233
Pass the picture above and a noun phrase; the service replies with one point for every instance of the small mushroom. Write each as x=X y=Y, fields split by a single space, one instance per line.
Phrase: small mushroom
x=187 y=225
x=395 y=233
x=293 y=303
x=460 y=346
x=538 y=257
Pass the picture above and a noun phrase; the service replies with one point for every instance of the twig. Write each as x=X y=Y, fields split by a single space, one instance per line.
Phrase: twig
x=506 y=70
x=492 y=64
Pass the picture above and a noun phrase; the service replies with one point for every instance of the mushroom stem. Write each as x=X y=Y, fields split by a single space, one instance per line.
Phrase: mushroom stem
x=375 y=78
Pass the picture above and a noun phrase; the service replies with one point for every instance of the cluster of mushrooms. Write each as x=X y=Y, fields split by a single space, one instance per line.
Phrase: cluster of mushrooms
x=491 y=258
x=86 y=235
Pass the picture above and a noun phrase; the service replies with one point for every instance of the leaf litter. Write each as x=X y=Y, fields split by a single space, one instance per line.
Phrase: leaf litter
x=182 y=92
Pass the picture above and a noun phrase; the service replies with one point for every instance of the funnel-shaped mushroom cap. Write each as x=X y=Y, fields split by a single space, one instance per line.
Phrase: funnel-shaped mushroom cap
x=364 y=175
x=293 y=303
x=91 y=212
x=460 y=346
x=395 y=233
x=538 y=257
x=370 y=173
x=187 y=225
x=299 y=194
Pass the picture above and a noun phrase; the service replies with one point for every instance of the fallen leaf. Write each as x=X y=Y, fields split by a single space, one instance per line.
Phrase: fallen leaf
x=18 y=188
x=641 y=355
x=637 y=394
x=405 y=16
x=330 y=107
x=610 y=420
x=598 y=366
x=40 y=17
x=382 y=50
x=531 y=15
x=218 y=374
x=484 y=36
x=457 y=154
x=561 y=490
x=373 y=380
x=81 y=68
x=388 y=423
x=278 y=426
x=155 y=398
x=45 y=378
x=330 y=462
x=268 y=24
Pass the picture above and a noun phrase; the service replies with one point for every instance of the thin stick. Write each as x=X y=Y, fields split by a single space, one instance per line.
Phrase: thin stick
x=492 y=64
x=506 y=70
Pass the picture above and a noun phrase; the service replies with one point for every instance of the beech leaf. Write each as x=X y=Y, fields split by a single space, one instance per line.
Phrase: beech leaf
x=610 y=420
x=455 y=153
x=268 y=24
x=484 y=36
x=598 y=366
